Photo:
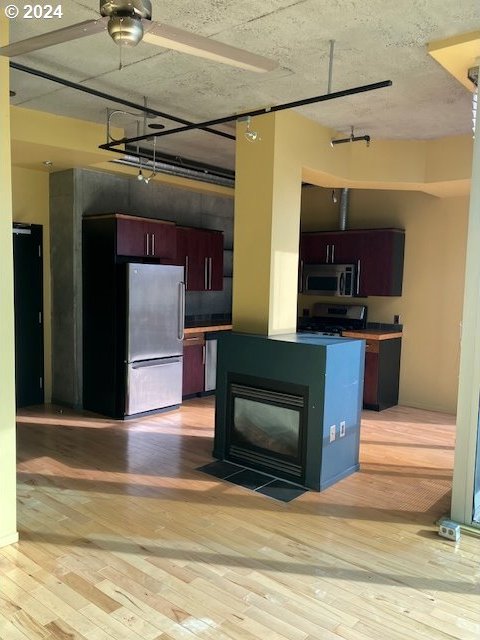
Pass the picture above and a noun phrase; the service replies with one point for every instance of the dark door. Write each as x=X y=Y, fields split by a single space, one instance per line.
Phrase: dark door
x=28 y=291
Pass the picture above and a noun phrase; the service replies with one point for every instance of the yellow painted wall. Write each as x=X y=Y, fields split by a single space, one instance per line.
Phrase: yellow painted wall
x=266 y=230
x=8 y=515
x=30 y=195
x=431 y=304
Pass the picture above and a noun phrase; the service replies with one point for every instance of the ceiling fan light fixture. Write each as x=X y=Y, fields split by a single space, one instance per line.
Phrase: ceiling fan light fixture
x=125 y=30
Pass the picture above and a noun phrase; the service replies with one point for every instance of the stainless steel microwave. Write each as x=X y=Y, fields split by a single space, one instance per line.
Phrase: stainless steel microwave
x=329 y=279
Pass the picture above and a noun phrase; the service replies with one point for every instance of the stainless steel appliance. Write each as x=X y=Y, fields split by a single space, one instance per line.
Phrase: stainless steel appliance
x=210 y=363
x=331 y=319
x=155 y=307
x=329 y=279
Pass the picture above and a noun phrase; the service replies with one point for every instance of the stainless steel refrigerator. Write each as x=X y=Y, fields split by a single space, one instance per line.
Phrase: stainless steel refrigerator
x=155 y=308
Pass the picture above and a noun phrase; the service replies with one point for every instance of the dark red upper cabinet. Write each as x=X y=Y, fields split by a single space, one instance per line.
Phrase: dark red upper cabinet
x=200 y=251
x=215 y=257
x=380 y=263
x=188 y=255
x=131 y=237
x=163 y=239
x=143 y=238
x=378 y=255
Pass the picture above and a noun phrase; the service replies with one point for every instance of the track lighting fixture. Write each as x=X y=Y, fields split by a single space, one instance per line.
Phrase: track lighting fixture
x=250 y=134
x=351 y=138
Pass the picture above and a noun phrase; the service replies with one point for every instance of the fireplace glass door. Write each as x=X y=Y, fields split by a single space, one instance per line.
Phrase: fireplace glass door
x=266 y=429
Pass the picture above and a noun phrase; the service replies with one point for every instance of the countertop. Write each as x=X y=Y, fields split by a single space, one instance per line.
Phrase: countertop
x=207 y=328
x=372 y=334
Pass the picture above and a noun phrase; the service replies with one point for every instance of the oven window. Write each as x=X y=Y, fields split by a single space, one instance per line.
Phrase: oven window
x=322 y=283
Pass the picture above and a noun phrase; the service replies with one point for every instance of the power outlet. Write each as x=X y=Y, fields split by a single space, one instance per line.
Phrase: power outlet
x=450 y=530
x=341 y=432
x=332 y=432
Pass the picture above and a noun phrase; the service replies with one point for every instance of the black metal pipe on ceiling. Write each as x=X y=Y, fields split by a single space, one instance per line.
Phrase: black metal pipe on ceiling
x=255 y=112
x=106 y=96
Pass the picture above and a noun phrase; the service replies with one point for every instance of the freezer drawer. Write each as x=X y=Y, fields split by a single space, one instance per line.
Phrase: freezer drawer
x=153 y=384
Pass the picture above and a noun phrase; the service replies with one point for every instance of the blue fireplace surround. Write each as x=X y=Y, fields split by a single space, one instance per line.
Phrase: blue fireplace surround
x=324 y=375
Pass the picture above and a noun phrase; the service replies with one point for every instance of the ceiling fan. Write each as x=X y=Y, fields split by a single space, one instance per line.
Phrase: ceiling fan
x=130 y=21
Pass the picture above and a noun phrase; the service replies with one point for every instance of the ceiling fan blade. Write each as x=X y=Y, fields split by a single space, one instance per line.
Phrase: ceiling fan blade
x=74 y=31
x=169 y=37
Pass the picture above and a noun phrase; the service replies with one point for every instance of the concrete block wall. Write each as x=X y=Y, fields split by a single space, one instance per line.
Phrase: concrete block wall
x=82 y=192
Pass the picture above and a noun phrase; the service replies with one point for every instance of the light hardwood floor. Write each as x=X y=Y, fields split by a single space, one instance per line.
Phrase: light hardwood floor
x=121 y=538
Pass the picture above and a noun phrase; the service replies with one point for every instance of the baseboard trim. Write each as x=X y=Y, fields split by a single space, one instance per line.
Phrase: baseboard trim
x=10 y=539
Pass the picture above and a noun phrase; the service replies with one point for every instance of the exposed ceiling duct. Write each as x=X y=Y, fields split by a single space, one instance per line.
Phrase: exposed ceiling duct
x=179 y=167
x=343 y=210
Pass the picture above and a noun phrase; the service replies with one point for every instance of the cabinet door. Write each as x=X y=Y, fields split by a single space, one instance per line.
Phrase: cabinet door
x=200 y=251
x=188 y=255
x=193 y=368
x=315 y=248
x=381 y=262
x=345 y=247
x=215 y=275
x=382 y=373
x=131 y=237
x=162 y=240
x=370 y=384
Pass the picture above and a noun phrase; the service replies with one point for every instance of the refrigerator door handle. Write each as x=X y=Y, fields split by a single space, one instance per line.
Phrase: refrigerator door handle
x=157 y=362
x=153 y=244
x=210 y=273
x=181 y=312
x=205 y=274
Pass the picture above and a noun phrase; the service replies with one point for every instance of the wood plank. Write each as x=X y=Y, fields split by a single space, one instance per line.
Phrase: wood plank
x=122 y=537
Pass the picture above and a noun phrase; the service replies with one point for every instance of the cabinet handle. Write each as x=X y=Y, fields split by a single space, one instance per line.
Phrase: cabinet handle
x=205 y=274
x=147 y=237
x=358 y=277
x=301 y=276
x=186 y=272
x=210 y=273
x=328 y=252
x=153 y=244
x=204 y=354
x=181 y=313
x=333 y=253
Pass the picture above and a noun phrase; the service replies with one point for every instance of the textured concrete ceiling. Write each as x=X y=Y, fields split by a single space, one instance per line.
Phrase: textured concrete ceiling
x=374 y=40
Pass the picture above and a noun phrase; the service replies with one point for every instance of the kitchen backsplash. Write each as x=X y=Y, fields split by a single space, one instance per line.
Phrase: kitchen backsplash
x=207 y=303
x=208 y=319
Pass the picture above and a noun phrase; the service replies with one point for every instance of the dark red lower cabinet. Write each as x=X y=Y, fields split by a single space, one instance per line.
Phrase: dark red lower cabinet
x=193 y=365
x=382 y=373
